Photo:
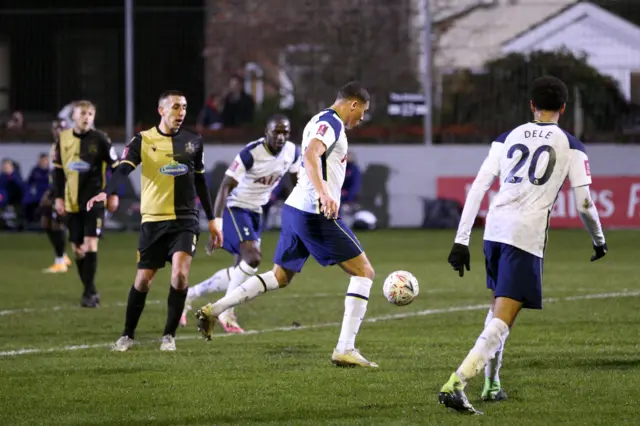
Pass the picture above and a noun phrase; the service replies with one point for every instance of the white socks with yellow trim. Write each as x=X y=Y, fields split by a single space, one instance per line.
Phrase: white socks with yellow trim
x=249 y=290
x=355 y=306
x=490 y=340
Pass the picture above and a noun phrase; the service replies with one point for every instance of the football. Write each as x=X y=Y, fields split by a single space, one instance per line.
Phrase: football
x=400 y=288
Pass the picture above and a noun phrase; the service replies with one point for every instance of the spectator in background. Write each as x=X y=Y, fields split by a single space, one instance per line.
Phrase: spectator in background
x=209 y=117
x=12 y=190
x=238 y=106
x=351 y=186
x=16 y=122
x=37 y=185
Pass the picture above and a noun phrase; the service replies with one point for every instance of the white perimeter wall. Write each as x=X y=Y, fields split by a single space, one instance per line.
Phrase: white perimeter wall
x=415 y=169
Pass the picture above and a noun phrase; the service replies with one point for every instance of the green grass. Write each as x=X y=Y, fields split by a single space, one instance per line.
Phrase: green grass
x=575 y=362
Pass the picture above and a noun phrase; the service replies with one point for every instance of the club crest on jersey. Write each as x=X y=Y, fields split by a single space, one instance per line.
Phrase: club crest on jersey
x=174 y=169
x=190 y=148
x=93 y=148
x=79 y=166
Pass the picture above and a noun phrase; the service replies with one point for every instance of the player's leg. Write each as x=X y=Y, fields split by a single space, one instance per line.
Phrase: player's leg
x=182 y=240
x=92 y=222
x=241 y=238
x=90 y=298
x=135 y=305
x=289 y=258
x=278 y=277
x=247 y=227
x=180 y=266
x=75 y=222
x=516 y=285
x=332 y=242
x=217 y=282
x=492 y=390
x=55 y=233
x=152 y=255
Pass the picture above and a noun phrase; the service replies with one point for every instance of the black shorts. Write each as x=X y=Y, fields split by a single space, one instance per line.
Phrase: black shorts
x=158 y=241
x=85 y=224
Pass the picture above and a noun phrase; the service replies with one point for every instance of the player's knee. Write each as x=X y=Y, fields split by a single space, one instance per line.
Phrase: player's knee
x=179 y=279
x=143 y=280
x=91 y=244
x=78 y=251
x=368 y=272
x=283 y=276
x=253 y=258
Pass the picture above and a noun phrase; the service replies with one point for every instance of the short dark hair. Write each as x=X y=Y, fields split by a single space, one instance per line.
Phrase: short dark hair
x=164 y=95
x=549 y=93
x=354 y=90
x=278 y=117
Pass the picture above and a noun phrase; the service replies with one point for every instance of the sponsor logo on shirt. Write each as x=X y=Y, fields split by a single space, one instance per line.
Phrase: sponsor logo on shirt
x=174 y=169
x=79 y=166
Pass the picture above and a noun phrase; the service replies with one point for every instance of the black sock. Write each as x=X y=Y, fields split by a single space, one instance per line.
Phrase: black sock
x=80 y=266
x=175 y=306
x=58 y=241
x=135 y=306
x=89 y=267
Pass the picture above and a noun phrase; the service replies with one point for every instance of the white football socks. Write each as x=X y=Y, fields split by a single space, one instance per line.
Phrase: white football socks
x=491 y=370
x=239 y=275
x=486 y=346
x=60 y=260
x=355 y=307
x=217 y=282
x=249 y=290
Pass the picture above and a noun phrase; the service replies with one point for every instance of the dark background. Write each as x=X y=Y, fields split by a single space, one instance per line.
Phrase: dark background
x=64 y=50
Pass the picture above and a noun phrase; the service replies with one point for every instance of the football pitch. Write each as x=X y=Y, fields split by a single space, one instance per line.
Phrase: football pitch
x=575 y=362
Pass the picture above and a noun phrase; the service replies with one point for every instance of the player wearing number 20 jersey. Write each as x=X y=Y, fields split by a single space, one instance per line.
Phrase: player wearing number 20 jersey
x=532 y=162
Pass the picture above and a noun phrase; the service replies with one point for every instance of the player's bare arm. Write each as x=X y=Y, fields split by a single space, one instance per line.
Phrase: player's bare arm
x=227 y=185
x=313 y=166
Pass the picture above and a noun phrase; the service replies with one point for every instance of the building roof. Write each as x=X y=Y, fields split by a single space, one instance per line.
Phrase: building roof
x=479 y=35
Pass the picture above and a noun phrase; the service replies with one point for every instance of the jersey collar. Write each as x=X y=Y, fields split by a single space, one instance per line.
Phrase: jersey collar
x=335 y=112
x=545 y=123
x=165 y=134
x=266 y=148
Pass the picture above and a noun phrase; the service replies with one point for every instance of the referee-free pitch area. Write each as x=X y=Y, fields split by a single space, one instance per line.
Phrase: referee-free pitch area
x=575 y=362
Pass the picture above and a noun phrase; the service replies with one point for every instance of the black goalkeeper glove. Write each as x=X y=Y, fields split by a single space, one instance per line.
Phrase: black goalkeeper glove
x=600 y=251
x=460 y=258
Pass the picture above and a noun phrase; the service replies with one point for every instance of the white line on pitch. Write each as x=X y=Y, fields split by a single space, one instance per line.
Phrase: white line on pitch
x=15 y=311
x=402 y=315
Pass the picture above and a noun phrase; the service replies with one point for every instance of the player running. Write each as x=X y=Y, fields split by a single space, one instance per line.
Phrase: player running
x=246 y=187
x=532 y=161
x=171 y=159
x=311 y=226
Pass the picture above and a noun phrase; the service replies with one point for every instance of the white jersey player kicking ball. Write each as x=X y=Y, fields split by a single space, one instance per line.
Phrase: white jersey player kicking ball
x=532 y=162
x=311 y=227
x=246 y=187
